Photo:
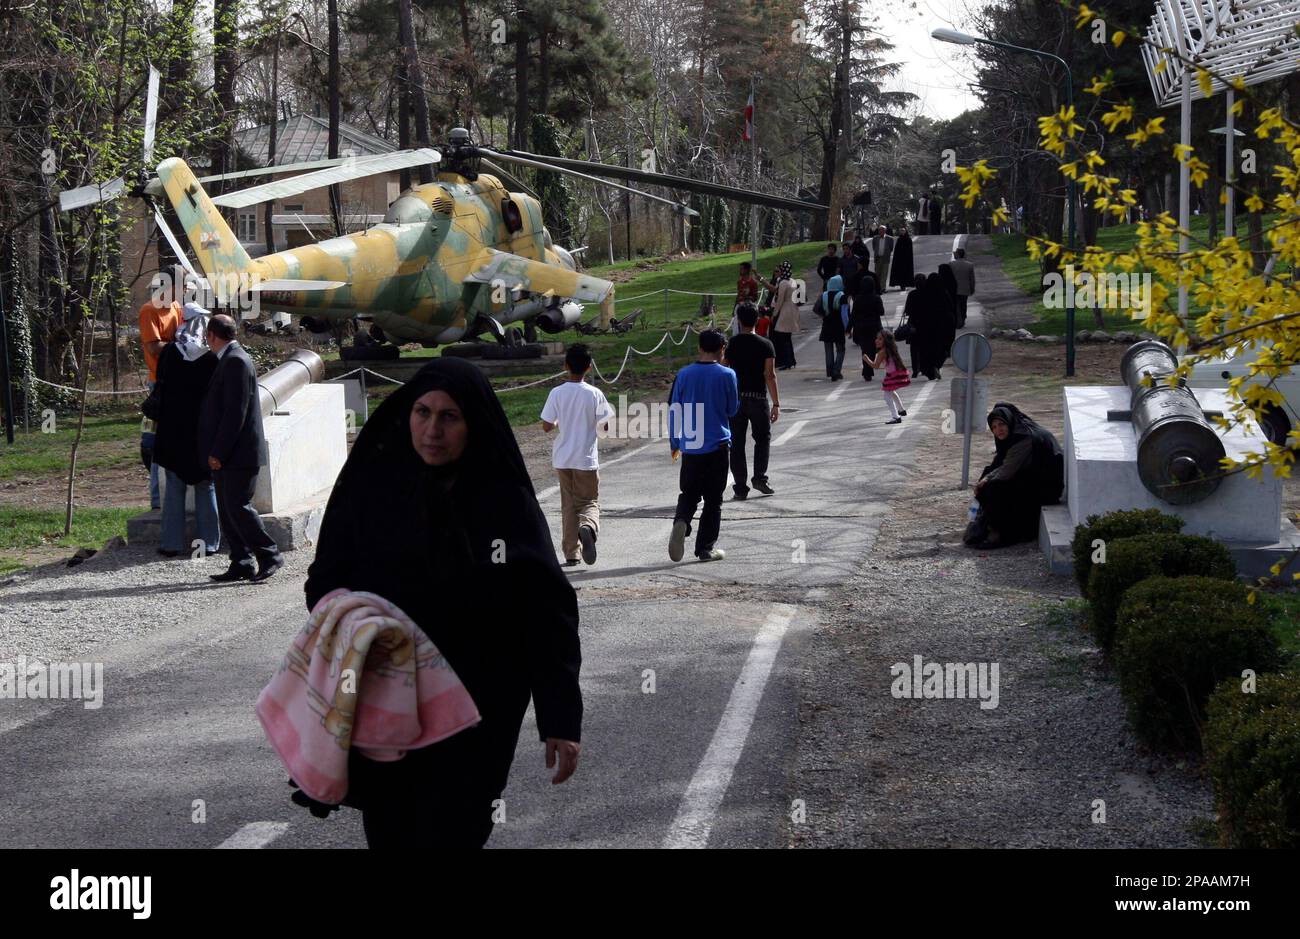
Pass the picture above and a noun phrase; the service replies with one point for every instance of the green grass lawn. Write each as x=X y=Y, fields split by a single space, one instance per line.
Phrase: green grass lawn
x=108 y=440
x=1026 y=274
x=24 y=529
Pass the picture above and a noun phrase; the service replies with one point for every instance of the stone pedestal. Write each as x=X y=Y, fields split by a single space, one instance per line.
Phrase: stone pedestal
x=307 y=445
x=1244 y=514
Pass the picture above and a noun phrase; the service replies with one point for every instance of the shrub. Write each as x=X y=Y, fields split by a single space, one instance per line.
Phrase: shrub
x=1111 y=527
x=1252 y=750
x=1129 y=560
x=1176 y=638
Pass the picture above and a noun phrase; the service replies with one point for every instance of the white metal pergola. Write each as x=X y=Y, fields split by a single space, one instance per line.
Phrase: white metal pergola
x=1254 y=40
x=1251 y=40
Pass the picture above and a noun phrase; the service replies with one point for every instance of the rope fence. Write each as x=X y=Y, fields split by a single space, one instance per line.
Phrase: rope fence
x=666 y=337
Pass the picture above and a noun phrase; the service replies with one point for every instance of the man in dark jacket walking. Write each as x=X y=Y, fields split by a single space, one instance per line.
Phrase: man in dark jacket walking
x=233 y=444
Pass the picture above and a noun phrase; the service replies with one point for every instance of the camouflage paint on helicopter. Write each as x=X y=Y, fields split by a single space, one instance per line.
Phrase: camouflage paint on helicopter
x=445 y=253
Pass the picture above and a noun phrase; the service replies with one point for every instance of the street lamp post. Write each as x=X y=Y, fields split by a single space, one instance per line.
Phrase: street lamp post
x=966 y=39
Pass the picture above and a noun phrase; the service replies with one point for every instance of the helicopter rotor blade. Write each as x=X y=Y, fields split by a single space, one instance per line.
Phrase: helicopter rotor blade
x=151 y=115
x=510 y=180
x=512 y=156
x=279 y=168
x=561 y=164
x=350 y=168
x=83 y=196
x=176 y=246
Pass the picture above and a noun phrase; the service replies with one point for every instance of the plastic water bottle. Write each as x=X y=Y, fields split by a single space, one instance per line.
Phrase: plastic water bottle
x=973 y=511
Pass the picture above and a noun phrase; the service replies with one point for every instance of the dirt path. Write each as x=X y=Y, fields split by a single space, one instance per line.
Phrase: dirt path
x=876 y=771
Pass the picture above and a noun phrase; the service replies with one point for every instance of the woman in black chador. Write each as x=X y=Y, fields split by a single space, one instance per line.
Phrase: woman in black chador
x=901 y=274
x=435 y=512
x=866 y=322
x=1027 y=473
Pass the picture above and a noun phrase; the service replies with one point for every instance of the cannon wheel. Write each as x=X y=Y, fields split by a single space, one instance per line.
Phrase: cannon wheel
x=1276 y=424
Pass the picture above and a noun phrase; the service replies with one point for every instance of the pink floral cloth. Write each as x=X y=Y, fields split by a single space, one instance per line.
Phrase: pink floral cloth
x=360 y=673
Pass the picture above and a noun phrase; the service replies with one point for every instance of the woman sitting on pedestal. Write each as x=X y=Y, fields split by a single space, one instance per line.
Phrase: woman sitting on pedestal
x=1027 y=473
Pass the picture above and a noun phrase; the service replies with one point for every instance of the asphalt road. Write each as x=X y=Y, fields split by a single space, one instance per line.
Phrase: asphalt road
x=699 y=759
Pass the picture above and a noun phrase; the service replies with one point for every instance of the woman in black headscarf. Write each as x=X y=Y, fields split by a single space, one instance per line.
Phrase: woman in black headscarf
x=944 y=306
x=1027 y=473
x=924 y=315
x=901 y=274
x=866 y=322
x=435 y=512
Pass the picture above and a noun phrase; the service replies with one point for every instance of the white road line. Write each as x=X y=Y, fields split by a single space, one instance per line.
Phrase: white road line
x=552 y=490
x=695 y=817
x=631 y=453
x=834 y=395
x=912 y=411
x=255 y=835
x=794 y=429
x=956 y=242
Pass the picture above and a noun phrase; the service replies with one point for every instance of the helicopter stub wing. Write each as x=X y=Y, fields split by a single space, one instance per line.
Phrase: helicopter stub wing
x=513 y=272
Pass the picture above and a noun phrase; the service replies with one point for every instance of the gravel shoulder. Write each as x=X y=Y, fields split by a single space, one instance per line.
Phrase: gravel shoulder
x=54 y=612
x=876 y=771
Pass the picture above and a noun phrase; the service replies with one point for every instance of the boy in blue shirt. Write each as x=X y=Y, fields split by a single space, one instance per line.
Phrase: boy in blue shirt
x=704 y=399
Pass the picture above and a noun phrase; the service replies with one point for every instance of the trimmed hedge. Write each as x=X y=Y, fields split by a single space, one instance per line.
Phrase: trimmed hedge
x=1178 y=637
x=1130 y=560
x=1252 y=749
x=1111 y=527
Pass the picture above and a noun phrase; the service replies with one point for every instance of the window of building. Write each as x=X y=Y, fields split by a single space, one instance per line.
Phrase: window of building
x=293 y=206
x=247 y=226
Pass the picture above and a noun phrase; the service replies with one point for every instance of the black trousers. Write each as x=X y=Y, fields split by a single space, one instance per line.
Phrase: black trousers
x=753 y=411
x=784 y=343
x=703 y=476
x=1011 y=509
x=240 y=522
x=961 y=309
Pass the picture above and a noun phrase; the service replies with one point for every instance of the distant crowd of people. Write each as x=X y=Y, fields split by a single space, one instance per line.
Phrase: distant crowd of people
x=204 y=434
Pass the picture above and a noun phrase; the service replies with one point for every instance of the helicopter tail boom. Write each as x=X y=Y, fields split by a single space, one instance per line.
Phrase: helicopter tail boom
x=219 y=252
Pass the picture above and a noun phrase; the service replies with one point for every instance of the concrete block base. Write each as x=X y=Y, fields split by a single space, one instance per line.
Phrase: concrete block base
x=1253 y=558
x=293 y=529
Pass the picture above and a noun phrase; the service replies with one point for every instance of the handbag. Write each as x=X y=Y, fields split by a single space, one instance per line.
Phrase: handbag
x=905 y=330
x=151 y=407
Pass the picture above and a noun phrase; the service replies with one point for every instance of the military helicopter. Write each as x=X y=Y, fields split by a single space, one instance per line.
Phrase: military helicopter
x=452 y=259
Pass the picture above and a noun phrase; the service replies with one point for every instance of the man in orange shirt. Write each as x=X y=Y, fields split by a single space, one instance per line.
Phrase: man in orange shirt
x=159 y=319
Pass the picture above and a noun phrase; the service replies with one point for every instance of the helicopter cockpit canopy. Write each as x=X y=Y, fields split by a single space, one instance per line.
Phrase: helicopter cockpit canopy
x=408 y=210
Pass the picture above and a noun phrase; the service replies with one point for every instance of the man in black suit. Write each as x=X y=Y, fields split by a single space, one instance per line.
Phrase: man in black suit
x=233 y=445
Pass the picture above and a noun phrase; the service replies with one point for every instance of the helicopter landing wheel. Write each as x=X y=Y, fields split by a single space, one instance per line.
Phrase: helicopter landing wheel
x=530 y=331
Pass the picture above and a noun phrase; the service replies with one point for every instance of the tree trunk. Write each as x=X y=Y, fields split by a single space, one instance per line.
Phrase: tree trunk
x=272 y=143
x=403 y=118
x=544 y=70
x=415 y=78
x=470 y=63
x=522 y=110
x=225 y=52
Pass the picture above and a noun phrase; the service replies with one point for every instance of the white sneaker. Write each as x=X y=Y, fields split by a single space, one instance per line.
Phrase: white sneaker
x=677 y=541
x=713 y=554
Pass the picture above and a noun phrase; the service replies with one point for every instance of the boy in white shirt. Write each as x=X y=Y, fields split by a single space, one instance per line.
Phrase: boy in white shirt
x=578 y=410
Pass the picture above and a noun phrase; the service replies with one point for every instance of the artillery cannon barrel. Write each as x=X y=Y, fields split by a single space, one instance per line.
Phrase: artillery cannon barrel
x=278 y=385
x=1178 y=451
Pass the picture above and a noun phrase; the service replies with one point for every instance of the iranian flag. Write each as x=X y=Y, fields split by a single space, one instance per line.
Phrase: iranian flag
x=749 y=117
